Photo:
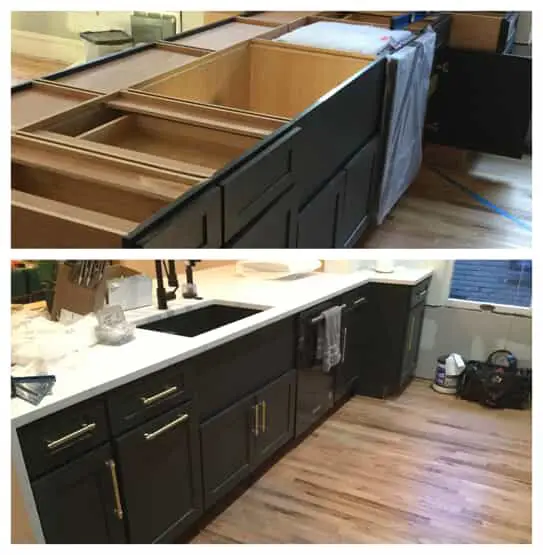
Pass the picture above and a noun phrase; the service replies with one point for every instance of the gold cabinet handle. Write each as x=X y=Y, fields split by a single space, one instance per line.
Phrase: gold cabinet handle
x=169 y=426
x=256 y=429
x=158 y=396
x=116 y=492
x=264 y=423
x=85 y=429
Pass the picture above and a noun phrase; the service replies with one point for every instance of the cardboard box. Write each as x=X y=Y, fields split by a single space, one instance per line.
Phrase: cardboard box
x=128 y=288
x=74 y=298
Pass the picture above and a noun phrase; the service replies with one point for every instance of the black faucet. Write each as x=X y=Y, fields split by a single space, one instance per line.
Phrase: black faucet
x=162 y=295
x=189 y=289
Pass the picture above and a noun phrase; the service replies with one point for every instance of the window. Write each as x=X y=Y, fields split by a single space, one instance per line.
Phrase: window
x=495 y=282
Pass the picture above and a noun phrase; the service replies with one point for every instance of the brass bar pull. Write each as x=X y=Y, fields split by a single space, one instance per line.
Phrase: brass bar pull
x=360 y=300
x=256 y=430
x=85 y=429
x=422 y=293
x=116 y=492
x=344 y=344
x=264 y=423
x=158 y=396
x=172 y=424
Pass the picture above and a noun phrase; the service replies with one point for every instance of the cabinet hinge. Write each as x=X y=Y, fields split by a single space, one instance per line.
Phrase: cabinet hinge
x=443 y=68
x=432 y=126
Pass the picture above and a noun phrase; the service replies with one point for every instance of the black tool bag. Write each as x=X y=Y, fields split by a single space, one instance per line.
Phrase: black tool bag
x=496 y=386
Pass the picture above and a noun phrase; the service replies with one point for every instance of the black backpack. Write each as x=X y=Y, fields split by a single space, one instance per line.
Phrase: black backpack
x=496 y=385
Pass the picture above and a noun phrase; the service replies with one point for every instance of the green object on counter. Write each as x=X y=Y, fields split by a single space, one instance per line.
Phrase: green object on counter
x=33 y=280
x=18 y=283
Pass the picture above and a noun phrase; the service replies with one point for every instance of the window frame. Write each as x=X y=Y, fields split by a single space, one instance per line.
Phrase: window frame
x=464 y=304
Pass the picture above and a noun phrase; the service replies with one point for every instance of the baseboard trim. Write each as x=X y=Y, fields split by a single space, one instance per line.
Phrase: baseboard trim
x=27 y=43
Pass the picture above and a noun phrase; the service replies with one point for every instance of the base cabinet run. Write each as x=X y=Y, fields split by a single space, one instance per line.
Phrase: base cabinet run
x=141 y=463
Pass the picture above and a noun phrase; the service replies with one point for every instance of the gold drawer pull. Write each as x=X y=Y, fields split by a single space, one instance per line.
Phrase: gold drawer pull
x=158 y=396
x=256 y=429
x=85 y=429
x=116 y=492
x=173 y=424
x=264 y=423
x=316 y=410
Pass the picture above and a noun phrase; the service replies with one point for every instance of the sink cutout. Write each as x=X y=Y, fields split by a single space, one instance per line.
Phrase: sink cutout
x=201 y=320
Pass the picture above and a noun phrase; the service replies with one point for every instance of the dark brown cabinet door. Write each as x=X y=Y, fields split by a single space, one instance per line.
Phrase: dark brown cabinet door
x=160 y=473
x=318 y=220
x=227 y=442
x=79 y=503
x=483 y=102
x=275 y=405
x=358 y=186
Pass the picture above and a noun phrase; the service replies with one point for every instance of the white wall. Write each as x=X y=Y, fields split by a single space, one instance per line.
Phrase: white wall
x=473 y=334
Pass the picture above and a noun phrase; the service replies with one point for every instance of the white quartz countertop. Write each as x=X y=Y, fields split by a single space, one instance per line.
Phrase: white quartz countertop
x=102 y=368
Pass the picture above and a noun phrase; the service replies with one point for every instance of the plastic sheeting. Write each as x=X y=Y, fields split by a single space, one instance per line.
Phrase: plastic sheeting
x=362 y=39
x=408 y=81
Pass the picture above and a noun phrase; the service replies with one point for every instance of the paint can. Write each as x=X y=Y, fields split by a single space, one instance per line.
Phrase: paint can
x=444 y=382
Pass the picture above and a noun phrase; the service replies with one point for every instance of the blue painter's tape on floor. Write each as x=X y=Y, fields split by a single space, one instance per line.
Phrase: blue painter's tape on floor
x=482 y=200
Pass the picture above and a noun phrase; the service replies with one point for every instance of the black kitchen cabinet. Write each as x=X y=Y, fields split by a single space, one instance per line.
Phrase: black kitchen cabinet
x=483 y=102
x=356 y=326
x=355 y=200
x=396 y=313
x=318 y=220
x=160 y=465
x=227 y=444
x=241 y=437
x=80 y=503
x=275 y=405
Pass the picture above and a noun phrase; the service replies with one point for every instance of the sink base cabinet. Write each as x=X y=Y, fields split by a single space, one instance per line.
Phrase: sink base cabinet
x=160 y=475
x=240 y=438
x=76 y=503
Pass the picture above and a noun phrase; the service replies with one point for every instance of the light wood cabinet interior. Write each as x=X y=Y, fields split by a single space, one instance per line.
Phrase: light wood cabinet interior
x=262 y=76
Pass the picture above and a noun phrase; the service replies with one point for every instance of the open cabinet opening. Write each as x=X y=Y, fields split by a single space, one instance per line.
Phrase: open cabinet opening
x=262 y=76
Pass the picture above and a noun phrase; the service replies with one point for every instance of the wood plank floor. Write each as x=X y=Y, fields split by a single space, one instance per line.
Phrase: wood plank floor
x=424 y=468
x=437 y=214
x=24 y=68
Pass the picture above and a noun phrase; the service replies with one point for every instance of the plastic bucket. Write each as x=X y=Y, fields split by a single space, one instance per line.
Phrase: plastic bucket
x=442 y=382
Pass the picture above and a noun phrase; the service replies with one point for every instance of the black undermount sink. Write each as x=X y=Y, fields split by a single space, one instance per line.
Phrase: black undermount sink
x=199 y=320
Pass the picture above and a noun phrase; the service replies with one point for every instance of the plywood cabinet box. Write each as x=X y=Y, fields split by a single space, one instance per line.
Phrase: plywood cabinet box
x=222 y=137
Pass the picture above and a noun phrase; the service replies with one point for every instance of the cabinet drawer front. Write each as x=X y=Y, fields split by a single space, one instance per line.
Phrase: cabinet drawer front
x=146 y=398
x=249 y=190
x=276 y=228
x=419 y=292
x=228 y=373
x=357 y=297
x=56 y=439
x=160 y=471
